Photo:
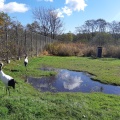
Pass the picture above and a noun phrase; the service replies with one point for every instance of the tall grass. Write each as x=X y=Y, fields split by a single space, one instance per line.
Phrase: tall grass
x=80 y=49
x=112 y=51
x=65 y=49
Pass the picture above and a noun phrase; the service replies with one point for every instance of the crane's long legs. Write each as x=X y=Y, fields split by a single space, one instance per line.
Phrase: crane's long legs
x=7 y=88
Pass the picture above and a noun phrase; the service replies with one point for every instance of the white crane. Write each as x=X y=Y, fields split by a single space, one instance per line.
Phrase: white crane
x=26 y=61
x=6 y=79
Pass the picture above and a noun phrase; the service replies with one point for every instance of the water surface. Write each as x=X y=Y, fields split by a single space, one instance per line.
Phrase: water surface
x=72 y=81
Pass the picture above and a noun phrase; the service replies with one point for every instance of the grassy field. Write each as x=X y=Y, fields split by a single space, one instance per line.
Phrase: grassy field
x=27 y=103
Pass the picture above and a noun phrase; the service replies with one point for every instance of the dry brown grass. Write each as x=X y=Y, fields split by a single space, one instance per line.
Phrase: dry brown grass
x=79 y=49
x=65 y=49
x=112 y=51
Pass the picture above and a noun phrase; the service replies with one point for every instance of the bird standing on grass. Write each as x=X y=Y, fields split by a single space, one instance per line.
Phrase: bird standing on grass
x=6 y=79
x=26 y=61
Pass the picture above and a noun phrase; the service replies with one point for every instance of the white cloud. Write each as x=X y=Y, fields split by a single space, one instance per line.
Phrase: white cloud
x=12 y=7
x=76 y=4
x=67 y=10
x=64 y=10
x=70 y=6
x=59 y=13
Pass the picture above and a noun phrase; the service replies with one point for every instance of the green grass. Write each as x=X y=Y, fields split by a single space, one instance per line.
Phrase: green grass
x=26 y=103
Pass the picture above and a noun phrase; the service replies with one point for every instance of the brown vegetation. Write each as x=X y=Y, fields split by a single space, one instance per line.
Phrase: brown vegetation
x=80 y=49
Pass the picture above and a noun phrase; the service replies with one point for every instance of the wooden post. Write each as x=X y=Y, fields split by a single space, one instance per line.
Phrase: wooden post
x=6 y=38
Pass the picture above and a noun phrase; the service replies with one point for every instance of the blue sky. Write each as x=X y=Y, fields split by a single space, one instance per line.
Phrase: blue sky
x=72 y=12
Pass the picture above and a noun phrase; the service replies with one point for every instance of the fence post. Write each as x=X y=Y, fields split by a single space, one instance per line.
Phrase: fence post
x=6 y=38
x=31 y=43
x=25 y=44
x=36 y=45
x=18 y=46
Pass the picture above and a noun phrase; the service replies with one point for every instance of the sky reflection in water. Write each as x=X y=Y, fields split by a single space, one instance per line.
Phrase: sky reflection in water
x=72 y=81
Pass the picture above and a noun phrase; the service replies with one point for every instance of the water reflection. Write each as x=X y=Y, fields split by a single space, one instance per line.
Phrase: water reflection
x=71 y=81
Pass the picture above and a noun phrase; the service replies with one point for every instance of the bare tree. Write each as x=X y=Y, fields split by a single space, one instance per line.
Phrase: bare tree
x=101 y=23
x=114 y=29
x=91 y=25
x=34 y=27
x=50 y=23
x=55 y=23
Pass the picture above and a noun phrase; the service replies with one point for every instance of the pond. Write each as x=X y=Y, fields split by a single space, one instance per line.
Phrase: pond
x=71 y=81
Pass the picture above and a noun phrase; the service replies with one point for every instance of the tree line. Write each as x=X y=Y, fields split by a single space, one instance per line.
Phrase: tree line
x=17 y=40
x=95 y=32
